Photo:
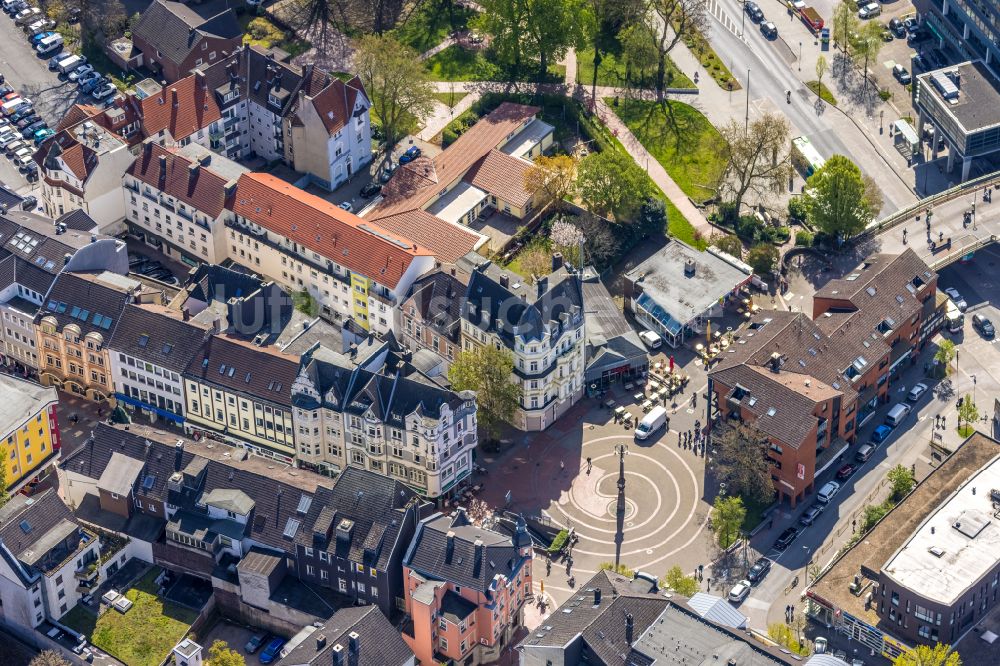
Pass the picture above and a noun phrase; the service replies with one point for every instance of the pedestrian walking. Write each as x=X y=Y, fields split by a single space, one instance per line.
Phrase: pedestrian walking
x=562 y=466
x=590 y=465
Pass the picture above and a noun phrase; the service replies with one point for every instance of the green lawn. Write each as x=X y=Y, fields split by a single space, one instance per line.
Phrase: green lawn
x=145 y=634
x=824 y=92
x=430 y=24
x=682 y=140
x=612 y=72
x=457 y=63
x=450 y=99
x=258 y=31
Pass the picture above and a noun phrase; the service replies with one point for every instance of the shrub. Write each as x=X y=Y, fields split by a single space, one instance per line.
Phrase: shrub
x=798 y=209
x=885 y=95
x=803 y=238
x=559 y=542
x=780 y=234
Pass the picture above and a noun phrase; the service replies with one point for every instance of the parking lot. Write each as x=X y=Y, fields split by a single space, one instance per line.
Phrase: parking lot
x=235 y=636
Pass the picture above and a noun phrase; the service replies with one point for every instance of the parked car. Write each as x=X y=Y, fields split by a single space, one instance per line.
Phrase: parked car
x=810 y=515
x=90 y=85
x=956 y=298
x=54 y=60
x=14 y=145
x=30 y=130
x=754 y=11
x=136 y=260
x=106 y=91
x=983 y=325
x=346 y=205
x=917 y=391
x=26 y=122
x=88 y=76
x=911 y=24
x=370 y=190
x=23 y=112
x=897 y=28
x=769 y=30
x=39 y=36
x=881 y=434
x=759 y=570
x=901 y=74
x=254 y=643
x=786 y=538
x=150 y=267
x=845 y=472
x=870 y=10
x=42 y=135
x=271 y=652
x=827 y=492
x=740 y=591
x=29 y=203
x=80 y=71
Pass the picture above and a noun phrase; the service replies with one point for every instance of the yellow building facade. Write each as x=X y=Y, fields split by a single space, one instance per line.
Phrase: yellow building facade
x=29 y=429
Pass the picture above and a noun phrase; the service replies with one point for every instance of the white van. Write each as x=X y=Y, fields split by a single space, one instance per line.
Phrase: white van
x=651 y=422
x=897 y=414
x=650 y=339
x=10 y=107
x=69 y=64
x=50 y=44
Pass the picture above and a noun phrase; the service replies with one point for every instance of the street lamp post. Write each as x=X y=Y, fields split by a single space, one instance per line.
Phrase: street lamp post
x=973 y=389
x=743 y=21
x=800 y=55
x=746 y=120
x=622 y=450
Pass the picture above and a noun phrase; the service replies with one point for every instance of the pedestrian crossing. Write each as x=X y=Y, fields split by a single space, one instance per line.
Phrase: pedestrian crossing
x=722 y=16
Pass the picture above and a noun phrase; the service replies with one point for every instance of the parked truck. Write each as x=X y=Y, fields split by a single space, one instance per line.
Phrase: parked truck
x=811 y=18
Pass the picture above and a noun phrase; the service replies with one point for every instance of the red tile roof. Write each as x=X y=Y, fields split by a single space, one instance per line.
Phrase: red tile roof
x=409 y=193
x=361 y=246
x=501 y=175
x=202 y=188
x=78 y=159
x=447 y=241
x=182 y=113
x=335 y=103
x=77 y=113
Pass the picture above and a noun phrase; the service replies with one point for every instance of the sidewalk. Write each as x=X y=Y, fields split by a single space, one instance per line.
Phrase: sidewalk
x=442 y=115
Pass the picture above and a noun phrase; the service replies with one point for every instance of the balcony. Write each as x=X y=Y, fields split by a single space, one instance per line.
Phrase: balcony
x=88 y=573
x=185 y=214
x=215 y=135
x=152 y=197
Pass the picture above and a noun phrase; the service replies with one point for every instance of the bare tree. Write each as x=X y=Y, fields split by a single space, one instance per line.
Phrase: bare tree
x=758 y=158
x=553 y=177
x=672 y=19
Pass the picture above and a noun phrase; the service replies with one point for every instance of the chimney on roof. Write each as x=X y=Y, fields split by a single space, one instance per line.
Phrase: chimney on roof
x=93 y=238
x=185 y=314
x=629 y=628
x=338 y=655
x=178 y=454
x=449 y=547
x=354 y=642
x=230 y=188
x=320 y=642
x=479 y=549
x=199 y=79
x=597 y=596
x=193 y=170
x=543 y=285
x=775 y=362
x=557 y=261
x=66 y=258
x=173 y=98
x=689 y=268
x=163 y=166
x=504 y=280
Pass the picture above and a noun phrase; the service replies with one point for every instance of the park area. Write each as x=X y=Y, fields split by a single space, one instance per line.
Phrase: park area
x=141 y=636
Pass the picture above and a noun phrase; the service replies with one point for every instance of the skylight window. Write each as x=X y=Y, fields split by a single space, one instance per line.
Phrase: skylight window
x=143 y=341
x=25 y=527
x=167 y=348
x=772 y=411
x=291 y=527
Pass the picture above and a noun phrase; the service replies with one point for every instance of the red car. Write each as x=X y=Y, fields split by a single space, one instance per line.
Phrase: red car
x=845 y=471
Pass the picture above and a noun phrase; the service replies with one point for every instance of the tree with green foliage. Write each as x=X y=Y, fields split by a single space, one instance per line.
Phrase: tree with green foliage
x=532 y=31
x=552 y=178
x=304 y=302
x=489 y=372
x=925 y=655
x=837 y=197
x=969 y=413
x=944 y=355
x=686 y=586
x=612 y=184
x=901 y=480
x=220 y=654
x=728 y=243
x=638 y=43
x=867 y=45
x=762 y=258
x=396 y=83
x=619 y=569
x=845 y=24
x=759 y=160
x=821 y=67
x=728 y=514
x=742 y=463
x=872 y=513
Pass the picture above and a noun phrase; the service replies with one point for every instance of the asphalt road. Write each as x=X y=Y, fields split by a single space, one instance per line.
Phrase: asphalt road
x=772 y=71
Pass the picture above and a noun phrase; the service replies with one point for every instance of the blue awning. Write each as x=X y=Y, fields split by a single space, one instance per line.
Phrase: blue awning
x=129 y=400
x=654 y=310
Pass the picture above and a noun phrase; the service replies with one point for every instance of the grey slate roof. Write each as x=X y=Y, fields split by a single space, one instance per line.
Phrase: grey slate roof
x=228 y=499
x=274 y=502
x=120 y=475
x=375 y=506
x=86 y=302
x=149 y=333
x=176 y=28
x=78 y=220
x=455 y=607
x=528 y=308
x=41 y=515
x=21 y=400
x=261 y=372
x=392 y=392
x=430 y=556
x=437 y=297
x=379 y=642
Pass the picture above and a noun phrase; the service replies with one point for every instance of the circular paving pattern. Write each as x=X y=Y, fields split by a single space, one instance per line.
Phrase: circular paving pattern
x=663 y=494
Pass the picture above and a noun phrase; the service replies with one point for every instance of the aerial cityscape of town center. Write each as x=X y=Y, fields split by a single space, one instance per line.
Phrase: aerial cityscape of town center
x=515 y=332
